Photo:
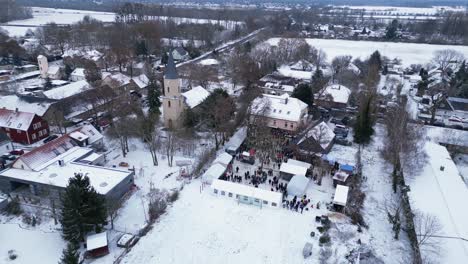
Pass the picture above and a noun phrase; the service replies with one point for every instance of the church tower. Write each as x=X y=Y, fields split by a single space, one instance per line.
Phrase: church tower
x=173 y=104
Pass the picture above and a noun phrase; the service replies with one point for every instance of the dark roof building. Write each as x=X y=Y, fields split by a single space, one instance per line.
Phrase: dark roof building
x=171 y=71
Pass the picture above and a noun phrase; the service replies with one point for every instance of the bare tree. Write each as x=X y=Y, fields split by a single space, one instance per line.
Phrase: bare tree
x=445 y=59
x=428 y=228
x=340 y=63
x=393 y=209
x=170 y=146
x=148 y=133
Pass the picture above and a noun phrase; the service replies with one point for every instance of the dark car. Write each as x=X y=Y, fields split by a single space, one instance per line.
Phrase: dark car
x=335 y=120
x=50 y=138
x=8 y=156
x=346 y=120
x=341 y=130
x=343 y=141
x=17 y=152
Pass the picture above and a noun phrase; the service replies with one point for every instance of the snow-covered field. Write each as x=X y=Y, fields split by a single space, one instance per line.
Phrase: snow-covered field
x=409 y=53
x=396 y=10
x=42 y=16
x=39 y=244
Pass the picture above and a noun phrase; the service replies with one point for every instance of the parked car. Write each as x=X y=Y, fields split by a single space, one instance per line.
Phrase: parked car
x=50 y=138
x=17 y=152
x=336 y=120
x=347 y=120
x=343 y=141
x=8 y=156
x=341 y=130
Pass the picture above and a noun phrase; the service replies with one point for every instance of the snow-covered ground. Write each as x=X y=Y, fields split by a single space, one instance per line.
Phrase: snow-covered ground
x=42 y=16
x=409 y=53
x=40 y=244
x=397 y=10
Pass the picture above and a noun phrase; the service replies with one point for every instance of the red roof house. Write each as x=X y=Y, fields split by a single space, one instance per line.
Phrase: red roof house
x=23 y=127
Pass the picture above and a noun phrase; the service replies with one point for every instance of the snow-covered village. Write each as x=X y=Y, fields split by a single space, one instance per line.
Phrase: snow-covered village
x=269 y=132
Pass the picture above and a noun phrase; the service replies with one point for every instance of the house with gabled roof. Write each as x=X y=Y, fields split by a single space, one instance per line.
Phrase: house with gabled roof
x=281 y=112
x=23 y=127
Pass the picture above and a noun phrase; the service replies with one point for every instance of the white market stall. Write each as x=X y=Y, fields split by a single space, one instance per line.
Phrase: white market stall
x=213 y=173
x=341 y=196
x=297 y=186
x=247 y=194
x=293 y=167
x=223 y=159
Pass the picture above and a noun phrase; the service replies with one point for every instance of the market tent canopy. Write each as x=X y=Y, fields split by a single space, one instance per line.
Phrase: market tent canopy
x=213 y=173
x=347 y=168
x=341 y=176
x=290 y=168
x=341 y=195
x=297 y=185
x=223 y=159
x=249 y=191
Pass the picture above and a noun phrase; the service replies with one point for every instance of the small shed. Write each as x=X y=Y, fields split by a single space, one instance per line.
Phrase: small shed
x=340 y=177
x=223 y=159
x=213 y=173
x=297 y=186
x=341 y=197
x=293 y=167
x=97 y=245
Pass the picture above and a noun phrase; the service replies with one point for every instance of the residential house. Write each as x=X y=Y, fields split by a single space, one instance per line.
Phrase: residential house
x=454 y=108
x=124 y=82
x=318 y=140
x=78 y=75
x=333 y=96
x=277 y=84
x=46 y=170
x=23 y=127
x=48 y=71
x=281 y=112
x=180 y=54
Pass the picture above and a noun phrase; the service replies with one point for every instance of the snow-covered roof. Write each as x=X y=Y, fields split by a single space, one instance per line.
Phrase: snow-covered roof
x=299 y=163
x=341 y=176
x=87 y=54
x=12 y=102
x=78 y=72
x=208 y=62
x=53 y=69
x=67 y=90
x=91 y=132
x=302 y=65
x=237 y=139
x=48 y=171
x=213 y=173
x=121 y=78
x=223 y=159
x=438 y=190
x=293 y=169
x=297 y=186
x=279 y=107
x=341 y=195
x=141 y=81
x=288 y=72
x=15 y=120
x=195 y=96
x=322 y=133
x=96 y=241
x=77 y=135
x=338 y=93
x=249 y=191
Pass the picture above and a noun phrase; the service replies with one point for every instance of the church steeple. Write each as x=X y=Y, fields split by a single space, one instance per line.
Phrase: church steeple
x=171 y=71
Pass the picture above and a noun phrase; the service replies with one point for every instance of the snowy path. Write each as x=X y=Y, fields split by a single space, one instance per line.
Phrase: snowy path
x=378 y=189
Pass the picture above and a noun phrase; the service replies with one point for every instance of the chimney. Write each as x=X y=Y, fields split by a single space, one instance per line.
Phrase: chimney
x=61 y=163
x=16 y=109
x=442 y=168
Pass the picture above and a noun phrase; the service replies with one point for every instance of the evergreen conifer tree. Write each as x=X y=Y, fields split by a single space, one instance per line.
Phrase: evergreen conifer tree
x=83 y=209
x=69 y=255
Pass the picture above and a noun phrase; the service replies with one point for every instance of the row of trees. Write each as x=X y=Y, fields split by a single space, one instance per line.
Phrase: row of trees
x=11 y=10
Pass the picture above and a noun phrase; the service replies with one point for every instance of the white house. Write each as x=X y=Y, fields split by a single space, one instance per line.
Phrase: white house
x=78 y=75
x=180 y=54
x=333 y=96
x=282 y=112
